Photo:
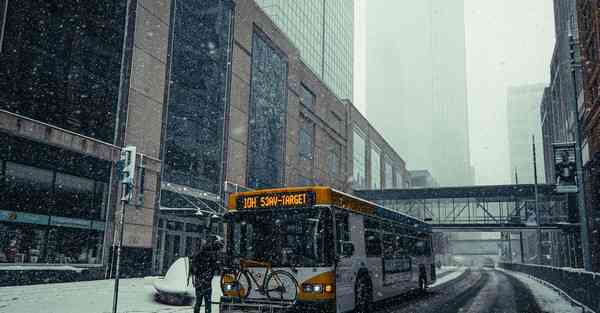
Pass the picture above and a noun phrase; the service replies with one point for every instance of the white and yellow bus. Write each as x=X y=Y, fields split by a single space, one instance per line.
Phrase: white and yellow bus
x=321 y=250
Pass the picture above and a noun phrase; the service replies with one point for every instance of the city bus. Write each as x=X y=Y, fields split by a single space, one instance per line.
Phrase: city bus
x=319 y=249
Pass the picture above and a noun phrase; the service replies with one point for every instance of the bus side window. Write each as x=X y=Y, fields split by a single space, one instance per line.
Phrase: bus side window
x=409 y=244
x=421 y=247
x=342 y=230
x=372 y=238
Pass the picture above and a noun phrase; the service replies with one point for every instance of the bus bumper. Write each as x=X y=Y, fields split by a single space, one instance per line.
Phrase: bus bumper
x=229 y=304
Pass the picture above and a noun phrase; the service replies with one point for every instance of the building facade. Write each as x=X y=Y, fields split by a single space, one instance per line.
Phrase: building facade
x=422 y=179
x=420 y=98
x=572 y=85
x=212 y=93
x=323 y=33
x=588 y=41
x=523 y=119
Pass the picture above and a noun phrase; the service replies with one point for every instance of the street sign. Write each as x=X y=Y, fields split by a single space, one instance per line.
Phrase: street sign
x=565 y=170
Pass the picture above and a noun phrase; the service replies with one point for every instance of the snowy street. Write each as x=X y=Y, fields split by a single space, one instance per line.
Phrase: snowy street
x=458 y=290
x=135 y=296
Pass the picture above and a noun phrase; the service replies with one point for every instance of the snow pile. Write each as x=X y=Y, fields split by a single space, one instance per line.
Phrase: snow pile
x=547 y=298
x=452 y=276
x=445 y=269
x=41 y=268
x=176 y=280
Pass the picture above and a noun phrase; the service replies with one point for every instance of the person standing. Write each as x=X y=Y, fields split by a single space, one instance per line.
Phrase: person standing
x=205 y=263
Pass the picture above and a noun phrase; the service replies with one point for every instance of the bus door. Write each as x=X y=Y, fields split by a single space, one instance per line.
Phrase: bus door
x=344 y=271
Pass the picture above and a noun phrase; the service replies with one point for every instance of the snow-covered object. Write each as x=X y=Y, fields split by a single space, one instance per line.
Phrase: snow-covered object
x=175 y=286
x=452 y=276
x=41 y=268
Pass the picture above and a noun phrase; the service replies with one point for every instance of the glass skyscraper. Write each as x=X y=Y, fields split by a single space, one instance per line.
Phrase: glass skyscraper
x=323 y=32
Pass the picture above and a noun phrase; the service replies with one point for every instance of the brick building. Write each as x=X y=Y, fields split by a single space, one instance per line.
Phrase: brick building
x=589 y=39
x=212 y=93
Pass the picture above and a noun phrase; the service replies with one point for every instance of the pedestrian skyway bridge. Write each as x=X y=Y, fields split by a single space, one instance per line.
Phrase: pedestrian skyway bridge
x=482 y=208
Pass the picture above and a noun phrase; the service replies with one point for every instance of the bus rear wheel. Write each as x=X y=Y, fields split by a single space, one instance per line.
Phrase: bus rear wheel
x=422 y=283
x=362 y=295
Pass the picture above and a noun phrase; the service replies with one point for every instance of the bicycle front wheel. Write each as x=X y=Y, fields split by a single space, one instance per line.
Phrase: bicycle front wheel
x=281 y=286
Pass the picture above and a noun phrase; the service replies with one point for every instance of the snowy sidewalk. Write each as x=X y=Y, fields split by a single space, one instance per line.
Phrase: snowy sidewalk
x=547 y=298
x=135 y=296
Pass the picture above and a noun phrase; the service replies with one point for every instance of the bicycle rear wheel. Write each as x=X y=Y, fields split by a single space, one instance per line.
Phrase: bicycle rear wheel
x=281 y=286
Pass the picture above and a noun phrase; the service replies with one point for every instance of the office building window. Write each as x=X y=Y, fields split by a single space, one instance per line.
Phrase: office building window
x=306 y=138
x=197 y=96
x=388 y=174
x=336 y=122
x=267 y=117
x=304 y=181
x=307 y=98
x=398 y=181
x=60 y=63
x=334 y=158
x=359 y=159
x=375 y=167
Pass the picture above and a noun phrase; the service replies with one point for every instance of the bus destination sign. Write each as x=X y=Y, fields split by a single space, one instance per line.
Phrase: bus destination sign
x=277 y=200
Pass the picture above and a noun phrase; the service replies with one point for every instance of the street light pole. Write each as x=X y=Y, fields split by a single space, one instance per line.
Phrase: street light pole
x=538 y=215
x=585 y=242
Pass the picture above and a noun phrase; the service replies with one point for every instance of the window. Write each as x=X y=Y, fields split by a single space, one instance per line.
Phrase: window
x=267 y=118
x=336 y=122
x=333 y=158
x=304 y=181
x=193 y=147
x=342 y=228
x=372 y=238
x=68 y=75
x=398 y=181
x=3 y=11
x=75 y=197
x=375 y=167
x=307 y=98
x=306 y=138
x=358 y=155
x=28 y=189
x=388 y=174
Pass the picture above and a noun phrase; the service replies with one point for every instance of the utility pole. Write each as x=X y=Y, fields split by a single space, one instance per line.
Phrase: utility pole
x=521 y=232
x=585 y=241
x=537 y=206
x=126 y=169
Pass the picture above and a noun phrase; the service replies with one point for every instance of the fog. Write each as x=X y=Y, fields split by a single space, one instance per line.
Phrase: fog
x=408 y=72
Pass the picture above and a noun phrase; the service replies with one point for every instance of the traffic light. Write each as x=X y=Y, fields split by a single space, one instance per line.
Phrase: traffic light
x=127 y=172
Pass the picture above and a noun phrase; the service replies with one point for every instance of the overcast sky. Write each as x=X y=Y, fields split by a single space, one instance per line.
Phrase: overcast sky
x=509 y=42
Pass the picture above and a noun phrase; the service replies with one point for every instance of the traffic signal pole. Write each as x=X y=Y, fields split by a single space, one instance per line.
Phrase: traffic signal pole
x=126 y=168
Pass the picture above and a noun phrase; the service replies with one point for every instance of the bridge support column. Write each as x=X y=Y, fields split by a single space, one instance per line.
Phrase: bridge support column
x=521 y=246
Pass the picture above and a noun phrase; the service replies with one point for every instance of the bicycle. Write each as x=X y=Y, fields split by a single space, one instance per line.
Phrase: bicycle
x=276 y=285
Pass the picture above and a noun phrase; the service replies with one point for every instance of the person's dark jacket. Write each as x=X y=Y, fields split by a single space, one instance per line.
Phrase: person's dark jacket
x=204 y=265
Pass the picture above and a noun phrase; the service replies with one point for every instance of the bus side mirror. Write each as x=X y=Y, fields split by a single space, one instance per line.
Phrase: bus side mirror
x=347 y=249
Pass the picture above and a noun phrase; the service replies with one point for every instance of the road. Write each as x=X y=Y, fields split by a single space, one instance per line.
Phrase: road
x=476 y=290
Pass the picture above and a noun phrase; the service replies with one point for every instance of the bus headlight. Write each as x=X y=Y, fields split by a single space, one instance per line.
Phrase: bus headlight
x=230 y=287
x=314 y=288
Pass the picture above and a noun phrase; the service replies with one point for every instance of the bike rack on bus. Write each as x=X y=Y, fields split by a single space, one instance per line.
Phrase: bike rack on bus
x=249 y=305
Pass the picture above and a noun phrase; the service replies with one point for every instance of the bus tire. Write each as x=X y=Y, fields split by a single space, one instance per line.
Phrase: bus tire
x=422 y=281
x=363 y=294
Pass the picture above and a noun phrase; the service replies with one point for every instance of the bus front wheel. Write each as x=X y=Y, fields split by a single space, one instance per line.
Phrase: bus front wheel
x=362 y=294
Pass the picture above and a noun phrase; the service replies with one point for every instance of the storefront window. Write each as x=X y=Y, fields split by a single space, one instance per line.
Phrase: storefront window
x=27 y=243
x=75 y=196
x=29 y=189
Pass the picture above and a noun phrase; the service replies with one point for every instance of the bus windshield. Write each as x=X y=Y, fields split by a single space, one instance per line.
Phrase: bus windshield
x=290 y=237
